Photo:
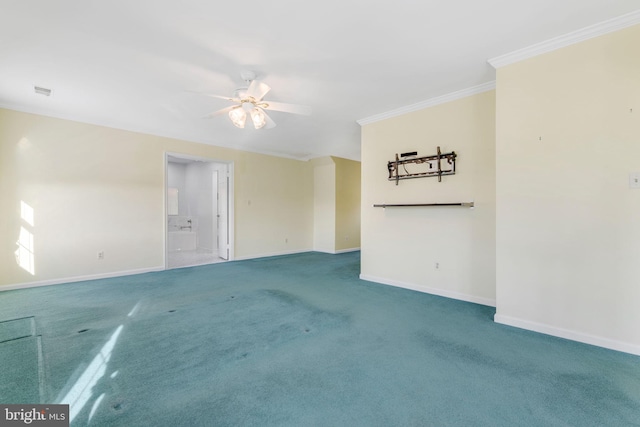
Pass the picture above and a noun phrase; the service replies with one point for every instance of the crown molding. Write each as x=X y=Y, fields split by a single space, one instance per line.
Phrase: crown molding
x=148 y=131
x=574 y=37
x=484 y=87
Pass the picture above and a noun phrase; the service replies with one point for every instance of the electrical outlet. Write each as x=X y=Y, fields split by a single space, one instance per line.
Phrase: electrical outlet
x=437 y=266
x=101 y=255
x=634 y=180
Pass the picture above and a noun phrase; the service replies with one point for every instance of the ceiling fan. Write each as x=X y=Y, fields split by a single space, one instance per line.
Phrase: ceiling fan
x=249 y=102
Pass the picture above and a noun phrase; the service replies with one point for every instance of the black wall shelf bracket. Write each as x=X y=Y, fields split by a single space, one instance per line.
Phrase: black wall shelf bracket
x=429 y=166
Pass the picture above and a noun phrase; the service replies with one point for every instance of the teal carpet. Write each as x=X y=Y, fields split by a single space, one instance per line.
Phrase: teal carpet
x=296 y=340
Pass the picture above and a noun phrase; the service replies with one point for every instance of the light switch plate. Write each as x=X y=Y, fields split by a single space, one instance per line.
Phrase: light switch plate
x=634 y=180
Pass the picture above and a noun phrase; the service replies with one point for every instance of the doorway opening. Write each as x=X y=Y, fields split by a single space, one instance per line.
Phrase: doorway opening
x=199 y=210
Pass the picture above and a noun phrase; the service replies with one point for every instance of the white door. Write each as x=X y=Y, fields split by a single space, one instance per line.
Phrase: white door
x=223 y=213
x=213 y=220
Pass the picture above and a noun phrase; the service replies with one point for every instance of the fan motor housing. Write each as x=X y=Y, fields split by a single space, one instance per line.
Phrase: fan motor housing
x=240 y=93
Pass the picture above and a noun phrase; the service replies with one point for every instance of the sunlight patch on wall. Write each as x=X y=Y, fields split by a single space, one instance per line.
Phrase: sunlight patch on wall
x=26 y=213
x=25 y=254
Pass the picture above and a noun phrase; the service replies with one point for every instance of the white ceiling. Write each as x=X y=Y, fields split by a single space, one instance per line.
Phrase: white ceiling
x=130 y=64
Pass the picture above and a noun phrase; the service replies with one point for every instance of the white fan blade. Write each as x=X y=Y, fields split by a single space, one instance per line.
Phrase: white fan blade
x=257 y=90
x=288 y=108
x=212 y=95
x=270 y=123
x=219 y=112
x=226 y=98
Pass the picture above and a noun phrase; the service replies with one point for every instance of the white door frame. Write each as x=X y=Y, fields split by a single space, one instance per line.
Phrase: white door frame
x=230 y=204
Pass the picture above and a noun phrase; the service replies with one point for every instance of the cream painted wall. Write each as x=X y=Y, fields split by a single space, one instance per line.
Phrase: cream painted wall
x=568 y=233
x=324 y=207
x=96 y=189
x=401 y=246
x=336 y=204
x=347 y=196
x=273 y=205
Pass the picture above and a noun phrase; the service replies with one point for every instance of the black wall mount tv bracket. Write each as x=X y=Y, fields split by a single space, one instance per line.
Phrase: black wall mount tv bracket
x=428 y=166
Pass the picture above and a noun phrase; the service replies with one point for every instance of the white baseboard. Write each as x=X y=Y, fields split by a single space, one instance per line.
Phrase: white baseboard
x=434 y=291
x=270 y=254
x=340 y=251
x=344 y=251
x=567 y=334
x=79 y=278
x=137 y=271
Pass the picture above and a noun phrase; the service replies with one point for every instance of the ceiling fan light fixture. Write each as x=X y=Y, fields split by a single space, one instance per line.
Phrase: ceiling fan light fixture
x=258 y=118
x=249 y=101
x=238 y=117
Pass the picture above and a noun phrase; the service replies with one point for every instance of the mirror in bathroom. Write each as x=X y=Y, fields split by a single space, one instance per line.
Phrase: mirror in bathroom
x=172 y=201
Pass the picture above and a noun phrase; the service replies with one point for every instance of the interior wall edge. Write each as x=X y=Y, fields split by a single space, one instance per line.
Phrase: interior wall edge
x=143 y=130
x=64 y=280
x=568 y=334
x=432 y=291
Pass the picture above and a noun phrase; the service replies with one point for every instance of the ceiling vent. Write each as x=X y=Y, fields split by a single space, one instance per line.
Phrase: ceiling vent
x=42 y=91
